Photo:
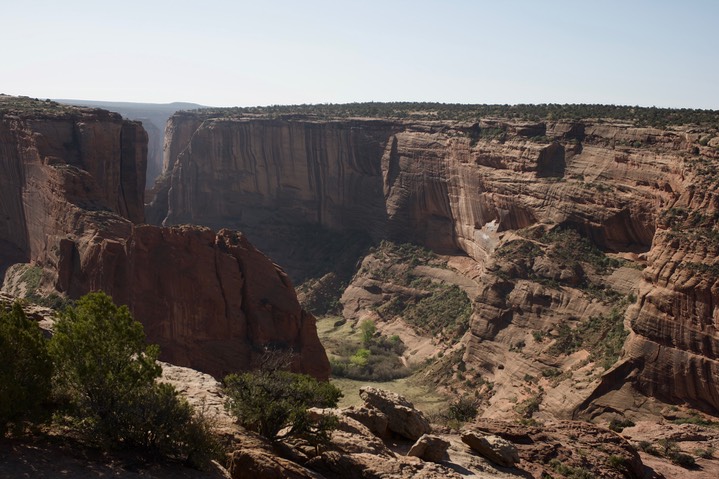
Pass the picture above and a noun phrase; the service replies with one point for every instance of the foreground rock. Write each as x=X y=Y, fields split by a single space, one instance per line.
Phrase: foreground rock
x=402 y=417
x=430 y=448
x=574 y=447
x=498 y=450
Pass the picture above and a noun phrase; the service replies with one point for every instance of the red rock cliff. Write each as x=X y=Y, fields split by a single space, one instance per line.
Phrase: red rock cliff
x=455 y=187
x=72 y=202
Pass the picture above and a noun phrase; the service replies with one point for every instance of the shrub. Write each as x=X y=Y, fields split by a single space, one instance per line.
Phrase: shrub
x=25 y=370
x=617 y=462
x=707 y=453
x=618 y=425
x=102 y=365
x=105 y=379
x=684 y=460
x=360 y=358
x=269 y=401
x=463 y=409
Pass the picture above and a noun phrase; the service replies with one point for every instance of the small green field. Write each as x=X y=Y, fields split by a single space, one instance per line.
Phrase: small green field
x=421 y=396
x=336 y=337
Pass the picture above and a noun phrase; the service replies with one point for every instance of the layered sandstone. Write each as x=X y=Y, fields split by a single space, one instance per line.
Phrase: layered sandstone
x=72 y=200
x=463 y=188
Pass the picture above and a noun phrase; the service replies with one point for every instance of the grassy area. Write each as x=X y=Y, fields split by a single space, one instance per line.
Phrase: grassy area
x=336 y=335
x=423 y=398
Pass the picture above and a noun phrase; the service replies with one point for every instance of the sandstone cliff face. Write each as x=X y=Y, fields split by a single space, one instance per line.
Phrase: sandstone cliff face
x=72 y=203
x=90 y=158
x=464 y=188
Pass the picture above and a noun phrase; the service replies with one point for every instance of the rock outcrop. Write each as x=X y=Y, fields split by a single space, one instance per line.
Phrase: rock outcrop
x=464 y=188
x=498 y=450
x=402 y=417
x=430 y=448
x=72 y=200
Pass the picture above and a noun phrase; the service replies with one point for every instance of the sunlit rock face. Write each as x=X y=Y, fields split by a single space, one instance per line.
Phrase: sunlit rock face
x=460 y=188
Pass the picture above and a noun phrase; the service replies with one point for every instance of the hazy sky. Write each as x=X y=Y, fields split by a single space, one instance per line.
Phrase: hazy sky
x=240 y=53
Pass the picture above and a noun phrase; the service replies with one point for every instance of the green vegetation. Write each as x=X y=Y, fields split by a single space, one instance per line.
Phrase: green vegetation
x=603 y=336
x=707 y=453
x=570 y=472
x=105 y=383
x=445 y=312
x=618 y=425
x=669 y=449
x=617 y=462
x=463 y=409
x=269 y=402
x=398 y=260
x=368 y=330
x=16 y=105
x=529 y=406
x=376 y=359
x=32 y=278
x=566 y=245
x=697 y=420
x=569 y=254
x=639 y=116
x=25 y=371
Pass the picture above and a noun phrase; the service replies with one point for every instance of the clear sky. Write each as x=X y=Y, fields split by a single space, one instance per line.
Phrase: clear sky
x=240 y=53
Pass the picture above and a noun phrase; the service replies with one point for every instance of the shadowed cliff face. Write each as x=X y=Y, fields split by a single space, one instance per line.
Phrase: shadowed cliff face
x=72 y=203
x=457 y=187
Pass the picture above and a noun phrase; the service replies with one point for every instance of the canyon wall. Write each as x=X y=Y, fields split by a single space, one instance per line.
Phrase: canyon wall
x=463 y=188
x=72 y=204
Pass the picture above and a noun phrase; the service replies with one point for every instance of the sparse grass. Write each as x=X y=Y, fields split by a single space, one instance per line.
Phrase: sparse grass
x=424 y=397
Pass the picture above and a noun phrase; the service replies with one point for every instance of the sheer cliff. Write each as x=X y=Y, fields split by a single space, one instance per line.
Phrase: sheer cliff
x=645 y=194
x=72 y=207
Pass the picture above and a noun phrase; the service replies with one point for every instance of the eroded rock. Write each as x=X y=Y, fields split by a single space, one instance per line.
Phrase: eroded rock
x=430 y=448
x=402 y=417
x=494 y=448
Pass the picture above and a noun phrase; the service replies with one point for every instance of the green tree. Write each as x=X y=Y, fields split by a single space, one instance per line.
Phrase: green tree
x=25 y=370
x=269 y=401
x=105 y=377
x=102 y=364
x=368 y=330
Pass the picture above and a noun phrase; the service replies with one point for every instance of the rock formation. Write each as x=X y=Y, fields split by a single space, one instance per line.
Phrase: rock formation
x=72 y=204
x=464 y=188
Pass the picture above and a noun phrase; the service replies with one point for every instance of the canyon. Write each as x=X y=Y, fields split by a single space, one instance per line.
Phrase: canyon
x=570 y=262
x=73 y=210
x=643 y=195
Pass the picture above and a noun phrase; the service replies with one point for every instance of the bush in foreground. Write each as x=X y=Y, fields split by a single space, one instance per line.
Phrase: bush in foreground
x=274 y=404
x=25 y=370
x=105 y=380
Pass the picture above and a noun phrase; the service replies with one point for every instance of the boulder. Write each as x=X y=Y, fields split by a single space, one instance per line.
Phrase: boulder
x=498 y=450
x=351 y=436
x=260 y=464
x=402 y=417
x=374 y=419
x=430 y=448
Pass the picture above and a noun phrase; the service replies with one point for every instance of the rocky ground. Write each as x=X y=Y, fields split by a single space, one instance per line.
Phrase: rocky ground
x=385 y=437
